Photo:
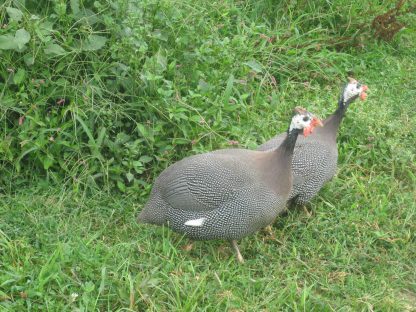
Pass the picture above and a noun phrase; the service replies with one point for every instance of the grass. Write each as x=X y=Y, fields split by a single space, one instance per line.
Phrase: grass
x=65 y=246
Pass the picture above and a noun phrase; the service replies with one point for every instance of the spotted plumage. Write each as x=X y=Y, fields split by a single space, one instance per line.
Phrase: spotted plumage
x=315 y=157
x=314 y=163
x=235 y=202
x=226 y=194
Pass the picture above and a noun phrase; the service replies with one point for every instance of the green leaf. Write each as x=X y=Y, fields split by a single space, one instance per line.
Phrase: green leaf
x=157 y=33
x=19 y=76
x=161 y=61
x=18 y=42
x=21 y=38
x=94 y=43
x=254 y=65
x=15 y=14
x=46 y=27
x=101 y=136
x=48 y=162
x=143 y=131
x=137 y=164
x=75 y=6
x=60 y=7
x=228 y=89
x=92 y=144
x=43 y=31
x=89 y=286
x=129 y=176
x=29 y=59
x=54 y=49
x=196 y=118
x=181 y=141
x=145 y=159
x=121 y=186
x=7 y=42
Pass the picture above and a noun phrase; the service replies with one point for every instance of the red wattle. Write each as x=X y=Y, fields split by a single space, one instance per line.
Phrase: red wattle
x=363 y=96
x=307 y=131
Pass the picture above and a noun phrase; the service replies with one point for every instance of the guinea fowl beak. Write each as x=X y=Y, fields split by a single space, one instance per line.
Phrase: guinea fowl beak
x=315 y=122
x=363 y=95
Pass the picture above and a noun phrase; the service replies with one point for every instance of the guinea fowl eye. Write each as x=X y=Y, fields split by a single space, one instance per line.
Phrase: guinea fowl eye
x=358 y=86
x=305 y=118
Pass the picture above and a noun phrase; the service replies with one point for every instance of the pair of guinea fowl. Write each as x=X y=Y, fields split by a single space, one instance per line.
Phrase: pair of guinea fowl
x=231 y=193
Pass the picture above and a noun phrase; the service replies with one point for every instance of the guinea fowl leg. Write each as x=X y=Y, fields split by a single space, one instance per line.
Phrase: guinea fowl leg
x=237 y=251
x=305 y=209
x=268 y=229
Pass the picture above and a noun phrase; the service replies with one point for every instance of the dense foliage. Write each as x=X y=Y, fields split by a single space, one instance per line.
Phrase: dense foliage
x=98 y=92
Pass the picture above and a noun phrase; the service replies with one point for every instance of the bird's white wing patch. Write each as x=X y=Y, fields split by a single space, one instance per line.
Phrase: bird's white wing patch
x=196 y=222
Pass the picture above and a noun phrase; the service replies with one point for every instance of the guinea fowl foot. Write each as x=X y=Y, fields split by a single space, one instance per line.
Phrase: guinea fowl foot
x=269 y=230
x=237 y=251
x=269 y=234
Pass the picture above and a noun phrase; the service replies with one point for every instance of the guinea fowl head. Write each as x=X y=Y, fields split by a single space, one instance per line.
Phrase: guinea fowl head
x=304 y=121
x=352 y=90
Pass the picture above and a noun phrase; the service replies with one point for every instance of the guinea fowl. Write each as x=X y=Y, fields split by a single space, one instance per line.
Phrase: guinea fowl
x=315 y=157
x=226 y=194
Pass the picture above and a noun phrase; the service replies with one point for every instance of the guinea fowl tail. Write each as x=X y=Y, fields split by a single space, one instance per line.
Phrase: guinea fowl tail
x=153 y=212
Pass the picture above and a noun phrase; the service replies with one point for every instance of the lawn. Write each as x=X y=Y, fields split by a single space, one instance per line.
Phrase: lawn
x=86 y=126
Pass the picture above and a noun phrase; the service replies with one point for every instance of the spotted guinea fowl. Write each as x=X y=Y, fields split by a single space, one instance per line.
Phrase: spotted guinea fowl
x=226 y=194
x=315 y=157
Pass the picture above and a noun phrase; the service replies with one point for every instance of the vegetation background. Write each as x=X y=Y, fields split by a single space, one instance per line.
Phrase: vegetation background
x=97 y=97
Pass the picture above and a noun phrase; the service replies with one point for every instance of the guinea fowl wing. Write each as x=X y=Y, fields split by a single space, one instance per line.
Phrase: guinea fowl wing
x=204 y=182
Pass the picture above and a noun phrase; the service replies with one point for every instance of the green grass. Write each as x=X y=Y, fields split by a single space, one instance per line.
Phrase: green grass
x=69 y=240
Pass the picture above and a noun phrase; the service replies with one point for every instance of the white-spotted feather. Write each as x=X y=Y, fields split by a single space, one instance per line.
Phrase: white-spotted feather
x=196 y=222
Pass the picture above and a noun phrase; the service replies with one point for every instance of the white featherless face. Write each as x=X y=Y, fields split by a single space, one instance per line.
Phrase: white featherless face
x=305 y=121
x=354 y=89
x=301 y=121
